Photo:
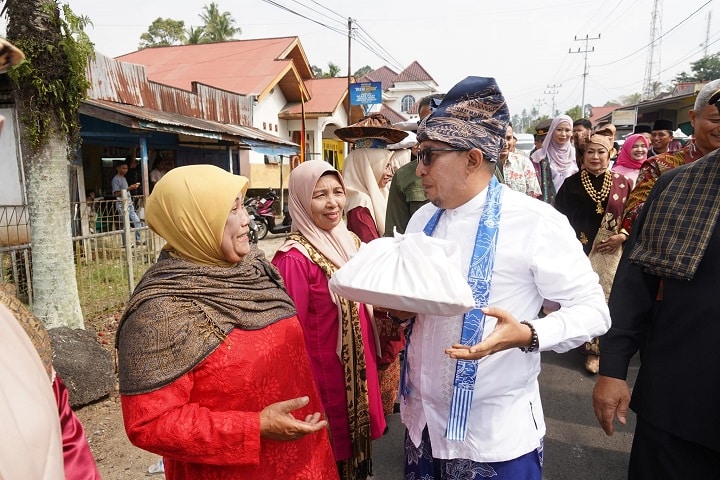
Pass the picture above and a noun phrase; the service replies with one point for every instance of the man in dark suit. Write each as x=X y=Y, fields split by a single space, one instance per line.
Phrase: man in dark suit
x=664 y=304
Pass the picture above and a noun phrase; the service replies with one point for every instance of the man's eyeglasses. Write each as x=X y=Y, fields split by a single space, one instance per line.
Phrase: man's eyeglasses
x=424 y=156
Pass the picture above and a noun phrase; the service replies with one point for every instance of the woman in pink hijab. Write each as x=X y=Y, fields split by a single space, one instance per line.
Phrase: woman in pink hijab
x=555 y=160
x=632 y=155
x=340 y=337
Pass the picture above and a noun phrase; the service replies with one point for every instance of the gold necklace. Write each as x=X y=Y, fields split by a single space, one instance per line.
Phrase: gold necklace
x=598 y=197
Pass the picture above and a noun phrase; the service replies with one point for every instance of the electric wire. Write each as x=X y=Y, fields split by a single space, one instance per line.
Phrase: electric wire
x=657 y=39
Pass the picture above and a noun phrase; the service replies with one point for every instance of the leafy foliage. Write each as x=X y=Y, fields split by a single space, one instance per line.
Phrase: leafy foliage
x=52 y=79
x=194 y=35
x=218 y=27
x=631 y=99
x=163 y=32
x=361 y=72
x=333 y=71
x=575 y=112
x=703 y=70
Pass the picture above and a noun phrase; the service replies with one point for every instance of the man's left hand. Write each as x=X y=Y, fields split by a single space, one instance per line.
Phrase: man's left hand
x=508 y=333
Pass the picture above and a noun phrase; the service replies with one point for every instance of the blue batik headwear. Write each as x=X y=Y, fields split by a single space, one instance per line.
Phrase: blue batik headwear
x=473 y=114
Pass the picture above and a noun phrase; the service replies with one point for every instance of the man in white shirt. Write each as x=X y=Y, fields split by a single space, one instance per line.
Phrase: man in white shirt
x=472 y=407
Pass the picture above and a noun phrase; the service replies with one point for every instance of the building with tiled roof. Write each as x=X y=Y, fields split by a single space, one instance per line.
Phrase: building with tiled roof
x=276 y=73
x=402 y=91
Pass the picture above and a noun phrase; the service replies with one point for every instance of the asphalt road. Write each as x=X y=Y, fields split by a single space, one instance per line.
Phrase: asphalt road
x=575 y=446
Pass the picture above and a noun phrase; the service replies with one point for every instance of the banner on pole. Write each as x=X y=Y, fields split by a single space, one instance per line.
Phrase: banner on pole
x=365 y=93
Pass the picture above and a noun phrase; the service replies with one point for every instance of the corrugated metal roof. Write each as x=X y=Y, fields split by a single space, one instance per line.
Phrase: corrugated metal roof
x=249 y=67
x=122 y=88
x=126 y=83
x=144 y=118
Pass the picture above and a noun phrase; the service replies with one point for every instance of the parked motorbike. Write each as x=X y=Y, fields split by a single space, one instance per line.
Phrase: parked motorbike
x=250 y=206
x=265 y=218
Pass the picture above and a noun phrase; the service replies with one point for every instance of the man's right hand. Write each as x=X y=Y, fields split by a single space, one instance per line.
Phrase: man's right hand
x=611 y=397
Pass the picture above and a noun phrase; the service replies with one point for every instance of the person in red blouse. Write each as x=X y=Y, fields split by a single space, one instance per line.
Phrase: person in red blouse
x=214 y=373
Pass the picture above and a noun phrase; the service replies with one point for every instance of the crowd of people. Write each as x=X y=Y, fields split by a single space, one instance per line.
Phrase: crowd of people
x=235 y=366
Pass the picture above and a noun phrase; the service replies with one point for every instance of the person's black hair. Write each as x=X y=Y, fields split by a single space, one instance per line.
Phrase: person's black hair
x=584 y=122
x=435 y=98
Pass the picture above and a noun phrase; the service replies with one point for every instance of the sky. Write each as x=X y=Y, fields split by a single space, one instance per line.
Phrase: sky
x=524 y=44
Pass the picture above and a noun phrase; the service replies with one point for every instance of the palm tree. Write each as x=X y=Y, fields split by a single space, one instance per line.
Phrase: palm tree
x=194 y=35
x=218 y=27
x=48 y=88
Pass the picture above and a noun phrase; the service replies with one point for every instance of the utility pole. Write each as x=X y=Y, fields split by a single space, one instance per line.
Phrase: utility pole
x=652 y=64
x=350 y=22
x=539 y=102
x=707 y=34
x=553 y=91
x=585 y=68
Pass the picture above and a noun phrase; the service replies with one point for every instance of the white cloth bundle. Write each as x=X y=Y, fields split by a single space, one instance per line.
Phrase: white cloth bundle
x=412 y=272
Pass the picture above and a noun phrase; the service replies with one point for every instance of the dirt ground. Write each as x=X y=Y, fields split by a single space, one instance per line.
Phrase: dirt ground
x=116 y=458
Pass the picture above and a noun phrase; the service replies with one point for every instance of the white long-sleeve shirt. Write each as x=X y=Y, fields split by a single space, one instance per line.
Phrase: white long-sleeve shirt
x=538 y=257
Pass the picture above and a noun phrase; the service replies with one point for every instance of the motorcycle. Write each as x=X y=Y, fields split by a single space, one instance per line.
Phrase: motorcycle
x=250 y=206
x=265 y=218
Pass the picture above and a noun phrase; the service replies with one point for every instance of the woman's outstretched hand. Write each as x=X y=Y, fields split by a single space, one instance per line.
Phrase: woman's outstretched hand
x=278 y=423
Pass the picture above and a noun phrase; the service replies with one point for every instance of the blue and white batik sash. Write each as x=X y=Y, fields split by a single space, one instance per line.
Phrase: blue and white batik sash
x=479 y=279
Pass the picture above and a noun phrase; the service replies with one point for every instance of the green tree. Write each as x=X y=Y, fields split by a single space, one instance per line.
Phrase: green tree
x=218 y=27
x=333 y=71
x=194 y=35
x=703 y=70
x=361 y=72
x=632 y=99
x=163 y=32
x=535 y=121
x=575 y=112
x=48 y=88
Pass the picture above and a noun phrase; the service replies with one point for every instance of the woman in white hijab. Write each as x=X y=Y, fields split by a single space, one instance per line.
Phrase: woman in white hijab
x=556 y=157
x=367 y=172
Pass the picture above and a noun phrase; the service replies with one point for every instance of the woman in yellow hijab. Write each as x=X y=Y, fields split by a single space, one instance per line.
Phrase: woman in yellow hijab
x=214 y=375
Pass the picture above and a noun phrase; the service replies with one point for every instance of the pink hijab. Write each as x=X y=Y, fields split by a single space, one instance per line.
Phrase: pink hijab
x=625 y=158
x=337 y=245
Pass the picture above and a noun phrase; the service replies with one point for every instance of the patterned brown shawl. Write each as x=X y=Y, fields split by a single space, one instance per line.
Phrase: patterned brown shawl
x=680 y=221
x=352 y=355
x=181 y=311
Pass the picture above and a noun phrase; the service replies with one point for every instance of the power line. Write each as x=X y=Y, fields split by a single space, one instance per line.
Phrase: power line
x=366 y=40
x=328 y=9
x=319 y=13
x=659 y=38
x=290 y=10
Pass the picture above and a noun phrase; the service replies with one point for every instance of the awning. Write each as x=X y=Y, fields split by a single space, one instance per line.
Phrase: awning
x=136 y=117
x=266 y=148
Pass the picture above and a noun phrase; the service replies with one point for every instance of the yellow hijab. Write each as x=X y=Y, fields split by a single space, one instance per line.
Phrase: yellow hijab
x=188 y=208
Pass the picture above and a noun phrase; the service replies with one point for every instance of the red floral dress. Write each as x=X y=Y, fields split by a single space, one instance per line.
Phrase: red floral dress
x=206 y=424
